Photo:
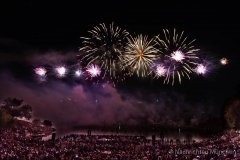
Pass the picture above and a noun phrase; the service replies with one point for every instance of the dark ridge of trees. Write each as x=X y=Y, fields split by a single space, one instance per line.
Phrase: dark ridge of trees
x=12 y=102
x=37 y=121
x=6 y=120
x=13 y=107
x=230 y=113
x=47 y=123
x=16 y=108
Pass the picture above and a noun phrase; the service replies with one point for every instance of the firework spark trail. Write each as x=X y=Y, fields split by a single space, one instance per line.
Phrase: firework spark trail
x=140 y=54
x=179 y=56
x=105 y=47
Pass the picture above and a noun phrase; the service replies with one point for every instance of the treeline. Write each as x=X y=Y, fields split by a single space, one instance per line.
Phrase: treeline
x=12 y=108
x=44 y=122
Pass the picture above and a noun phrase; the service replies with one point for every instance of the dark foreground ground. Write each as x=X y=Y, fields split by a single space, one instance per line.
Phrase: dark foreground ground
x=18 y=143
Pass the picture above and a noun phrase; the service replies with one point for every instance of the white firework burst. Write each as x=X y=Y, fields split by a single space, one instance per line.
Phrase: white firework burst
x=179 y=57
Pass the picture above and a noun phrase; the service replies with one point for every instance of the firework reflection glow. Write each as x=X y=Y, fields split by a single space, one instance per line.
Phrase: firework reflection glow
x=93 y=70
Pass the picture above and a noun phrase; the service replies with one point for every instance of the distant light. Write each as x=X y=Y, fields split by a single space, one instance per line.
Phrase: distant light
x=224 y=61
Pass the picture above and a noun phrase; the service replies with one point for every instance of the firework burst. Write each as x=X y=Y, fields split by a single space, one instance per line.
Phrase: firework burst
x=178 y=56
x=60 y=71
x=75 y=70
x=160 y=71
x=41 y=74
x=41 y=71
x=206 y=64
x=93 y=70
x=201 y=69
x=139 y=55
x=78 y=73
x=104 y=47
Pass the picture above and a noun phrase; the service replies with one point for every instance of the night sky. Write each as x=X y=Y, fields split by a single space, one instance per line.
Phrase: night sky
x=34 y=31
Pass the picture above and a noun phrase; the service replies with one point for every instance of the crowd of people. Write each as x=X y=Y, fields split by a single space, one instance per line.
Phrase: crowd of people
x=18 y=143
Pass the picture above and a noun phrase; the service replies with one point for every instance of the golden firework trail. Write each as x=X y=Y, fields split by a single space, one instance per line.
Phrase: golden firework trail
x=104 y=48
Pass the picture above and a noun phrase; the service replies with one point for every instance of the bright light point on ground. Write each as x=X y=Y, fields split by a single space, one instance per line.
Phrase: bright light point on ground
x=160 y=71
x=224 y=61
x=201 y=69
x=40 y=71
x=61 y=71
x=93 y=70
x=177 y=56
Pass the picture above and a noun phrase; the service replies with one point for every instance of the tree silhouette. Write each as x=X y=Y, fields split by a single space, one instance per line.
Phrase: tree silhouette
x=230 y=112
x=16 y=108
x=25 y=111
x=6 y=120
x=37 y=121
x=47 y=123
x=12 y=102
